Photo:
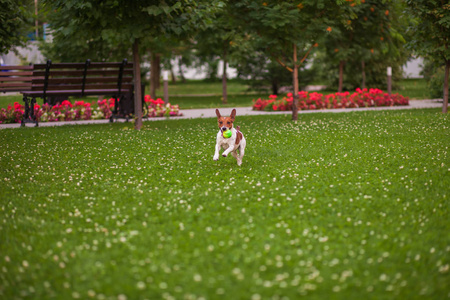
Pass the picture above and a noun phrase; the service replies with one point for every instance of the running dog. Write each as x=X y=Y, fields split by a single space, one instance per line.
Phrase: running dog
x=232 y=144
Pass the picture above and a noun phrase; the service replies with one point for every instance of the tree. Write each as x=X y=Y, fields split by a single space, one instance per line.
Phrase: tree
x=15 y=20
x=373 y=38
x=121 y=25
x=217 y=40
x=291 y=30
x=261 y=71
x=431 y=35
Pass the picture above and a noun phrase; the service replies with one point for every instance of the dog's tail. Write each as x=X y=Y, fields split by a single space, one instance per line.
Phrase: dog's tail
x=238 y=128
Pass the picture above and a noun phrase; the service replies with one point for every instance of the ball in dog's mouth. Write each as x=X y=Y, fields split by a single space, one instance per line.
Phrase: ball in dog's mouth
x=227 y=133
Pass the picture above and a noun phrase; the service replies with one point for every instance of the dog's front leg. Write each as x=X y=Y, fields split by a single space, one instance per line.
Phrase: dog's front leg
x=216 y=154
x=226 y=152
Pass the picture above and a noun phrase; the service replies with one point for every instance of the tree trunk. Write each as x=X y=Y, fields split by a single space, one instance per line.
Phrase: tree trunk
x=445 y=104
x=158 y=70
x=137 y=86
x=224 y=77
x=172 y=73
x=295 y=83
x=180 y=67
x=363 y=67
x=153 y=74
x=341 y=75
x=274 y=87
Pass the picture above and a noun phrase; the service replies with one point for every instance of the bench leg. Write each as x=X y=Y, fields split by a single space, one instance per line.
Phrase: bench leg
x=26 y=114
x=32 y=115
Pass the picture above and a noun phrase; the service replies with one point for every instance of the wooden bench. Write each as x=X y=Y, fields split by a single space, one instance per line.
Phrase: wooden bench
x=15 y=78
x=52 y=80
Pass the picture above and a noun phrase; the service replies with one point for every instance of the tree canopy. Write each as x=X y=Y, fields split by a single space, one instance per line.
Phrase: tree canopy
x=15 y=20
x=289 y=29
x=431 y=35
x=117 y=26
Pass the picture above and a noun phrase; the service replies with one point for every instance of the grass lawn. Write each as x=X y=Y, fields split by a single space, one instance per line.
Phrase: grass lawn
x=337 y=206
x=200 y=87
x=413 y=88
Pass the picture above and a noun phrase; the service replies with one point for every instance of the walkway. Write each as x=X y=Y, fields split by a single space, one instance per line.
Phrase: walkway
x=242 y=111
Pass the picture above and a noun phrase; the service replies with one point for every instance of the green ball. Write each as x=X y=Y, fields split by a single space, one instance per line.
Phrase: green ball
x=227 y=134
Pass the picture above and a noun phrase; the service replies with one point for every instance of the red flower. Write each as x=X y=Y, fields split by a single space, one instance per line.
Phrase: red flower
x=66 y=103
x=303 y=94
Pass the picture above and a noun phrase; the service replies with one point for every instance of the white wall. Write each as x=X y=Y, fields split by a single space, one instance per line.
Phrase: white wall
x=200 y=73
x=413 y=68
x=30 y=54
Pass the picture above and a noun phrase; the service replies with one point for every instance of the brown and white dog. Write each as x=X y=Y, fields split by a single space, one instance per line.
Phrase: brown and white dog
x=232 y=144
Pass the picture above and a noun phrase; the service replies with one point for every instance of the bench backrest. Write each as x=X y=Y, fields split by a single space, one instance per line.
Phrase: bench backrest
x=15 y=78
x=82 y=76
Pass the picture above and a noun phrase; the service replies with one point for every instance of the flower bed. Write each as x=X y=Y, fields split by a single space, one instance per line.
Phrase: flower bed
x=80 y=110
x=314 y=100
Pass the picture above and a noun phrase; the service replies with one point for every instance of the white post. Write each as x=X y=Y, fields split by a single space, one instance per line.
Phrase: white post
x=166 y=86
x=389 y=80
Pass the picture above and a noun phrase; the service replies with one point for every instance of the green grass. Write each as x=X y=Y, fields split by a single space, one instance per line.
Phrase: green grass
x=10 y=99
x=336 y=206
x=201 y=87
x=413 y=88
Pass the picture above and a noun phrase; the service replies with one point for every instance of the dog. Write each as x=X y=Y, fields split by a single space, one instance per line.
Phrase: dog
x=234 y=143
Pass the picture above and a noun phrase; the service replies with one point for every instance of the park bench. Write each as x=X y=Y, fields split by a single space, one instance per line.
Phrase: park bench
x=54 y=81
x=15 y=78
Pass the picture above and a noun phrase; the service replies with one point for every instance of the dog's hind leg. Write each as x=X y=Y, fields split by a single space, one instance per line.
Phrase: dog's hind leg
x=235 y=154
x=241 y=153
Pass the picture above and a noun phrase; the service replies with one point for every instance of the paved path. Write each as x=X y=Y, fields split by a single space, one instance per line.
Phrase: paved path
x=242 y=111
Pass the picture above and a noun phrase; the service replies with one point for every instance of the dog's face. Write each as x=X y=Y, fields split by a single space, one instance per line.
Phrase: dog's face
x=225 y=123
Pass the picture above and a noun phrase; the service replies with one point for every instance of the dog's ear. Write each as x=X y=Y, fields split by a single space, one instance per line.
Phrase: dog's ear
x=218 y=113
x=233 y=114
